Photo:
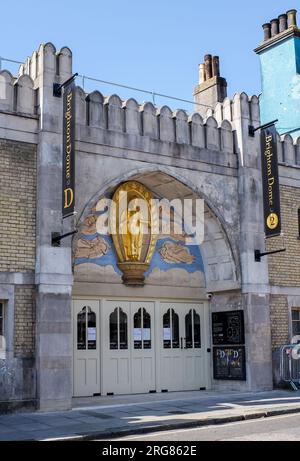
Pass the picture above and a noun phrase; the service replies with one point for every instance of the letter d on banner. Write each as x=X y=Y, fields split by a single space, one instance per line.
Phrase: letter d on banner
x=68 y=163
x=270 y=181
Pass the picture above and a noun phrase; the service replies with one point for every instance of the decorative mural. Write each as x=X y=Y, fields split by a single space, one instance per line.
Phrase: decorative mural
x=172 y=263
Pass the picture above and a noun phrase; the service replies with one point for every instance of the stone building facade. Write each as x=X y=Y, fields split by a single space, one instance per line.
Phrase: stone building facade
x=71 y=327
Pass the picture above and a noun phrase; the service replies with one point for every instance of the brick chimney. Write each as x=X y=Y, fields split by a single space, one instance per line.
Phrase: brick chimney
x=211 y=88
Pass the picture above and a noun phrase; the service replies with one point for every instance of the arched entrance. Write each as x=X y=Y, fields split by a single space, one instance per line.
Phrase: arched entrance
x=156 y=337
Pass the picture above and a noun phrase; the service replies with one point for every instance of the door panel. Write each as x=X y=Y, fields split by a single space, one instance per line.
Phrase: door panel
x=182 y=359
x=194 y=365
x=86 y=368
x=142 y=347
x=116 y=347
x=170 y=342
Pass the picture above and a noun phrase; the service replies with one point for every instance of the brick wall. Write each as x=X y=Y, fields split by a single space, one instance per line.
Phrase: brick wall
x=17 y=206
x=284 y=267
x=24 y=322
x=279 y=320
x=17 y=233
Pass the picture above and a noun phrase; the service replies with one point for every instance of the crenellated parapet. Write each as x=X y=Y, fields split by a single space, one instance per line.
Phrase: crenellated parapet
x=161 y=124
x=288 y=150
x=19 y=94
x=243 y=107
x=240 y=106
x=215 y=131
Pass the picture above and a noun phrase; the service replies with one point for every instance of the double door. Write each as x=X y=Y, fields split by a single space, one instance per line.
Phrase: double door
x=124 y=347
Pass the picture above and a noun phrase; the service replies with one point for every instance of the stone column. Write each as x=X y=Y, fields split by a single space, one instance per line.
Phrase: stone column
x=255 y=281
x=53 y=265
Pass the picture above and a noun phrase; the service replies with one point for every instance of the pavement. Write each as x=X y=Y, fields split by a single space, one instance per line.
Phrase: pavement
x=119 y=416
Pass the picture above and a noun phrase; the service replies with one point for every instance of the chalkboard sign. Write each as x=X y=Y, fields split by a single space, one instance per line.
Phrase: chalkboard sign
x=228 y=327
x=229 y=363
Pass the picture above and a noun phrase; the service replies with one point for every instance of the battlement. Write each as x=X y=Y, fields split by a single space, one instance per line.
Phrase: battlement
x=163 y=124
x=22 y=95
x=244 y=107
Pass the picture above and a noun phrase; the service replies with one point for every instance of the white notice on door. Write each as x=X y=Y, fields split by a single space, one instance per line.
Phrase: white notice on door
x=146 y=334
x=137 y=334
x=167 y=334
x=91 y=334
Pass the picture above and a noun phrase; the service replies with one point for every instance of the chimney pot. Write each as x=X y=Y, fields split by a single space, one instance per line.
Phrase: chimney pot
x=216 y=66
x=208 y=66
x=274 y=27
x=267 y=31
x=202 y=73
x=282 y=22
x=292 y=18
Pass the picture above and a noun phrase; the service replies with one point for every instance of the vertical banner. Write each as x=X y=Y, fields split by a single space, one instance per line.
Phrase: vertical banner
x=68 y=165
x=269 y=168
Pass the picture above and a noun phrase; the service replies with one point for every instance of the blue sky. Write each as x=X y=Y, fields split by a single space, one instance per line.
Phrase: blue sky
x=154 y=45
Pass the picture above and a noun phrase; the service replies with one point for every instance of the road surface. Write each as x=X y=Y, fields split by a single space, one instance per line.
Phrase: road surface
x=279 y=428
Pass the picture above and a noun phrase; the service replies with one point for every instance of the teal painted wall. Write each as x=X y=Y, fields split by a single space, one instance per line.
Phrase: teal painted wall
x=280 y=99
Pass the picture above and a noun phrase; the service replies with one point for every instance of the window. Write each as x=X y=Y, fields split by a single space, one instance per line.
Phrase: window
x=171 y=330
x=118 y=335
x=192 y=330
x=86 y=329
x=142 y=329
x=295 y=322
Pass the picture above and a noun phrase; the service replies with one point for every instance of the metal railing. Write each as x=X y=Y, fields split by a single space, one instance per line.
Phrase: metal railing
x=290 y=365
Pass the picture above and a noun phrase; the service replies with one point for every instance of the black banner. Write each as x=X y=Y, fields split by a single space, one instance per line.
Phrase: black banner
x=68 y=166
x=228 y=327
x=229 y=363
x=269 y=167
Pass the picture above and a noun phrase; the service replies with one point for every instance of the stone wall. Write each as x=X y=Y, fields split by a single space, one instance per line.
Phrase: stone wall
x=24 y=321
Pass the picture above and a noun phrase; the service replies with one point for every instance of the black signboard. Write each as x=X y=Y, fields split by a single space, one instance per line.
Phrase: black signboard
x=270 y=182
x=229 y=363
x=68 y=164
x=228 y=327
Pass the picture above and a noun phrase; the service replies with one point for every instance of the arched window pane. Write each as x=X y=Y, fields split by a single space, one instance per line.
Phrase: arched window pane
x=92 y=332
x=123 y=330
x=167 y=330
x=81 y=329
x=188 y=330
x=137 y=329
x=113 y=329
x=175 y=330
x=146 y=330
x=197 y=331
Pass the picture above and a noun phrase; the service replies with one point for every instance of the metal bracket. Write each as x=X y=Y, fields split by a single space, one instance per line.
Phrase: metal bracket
x=56 y=237
x=258 y=255
x=57 y=87
x=252 y=130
